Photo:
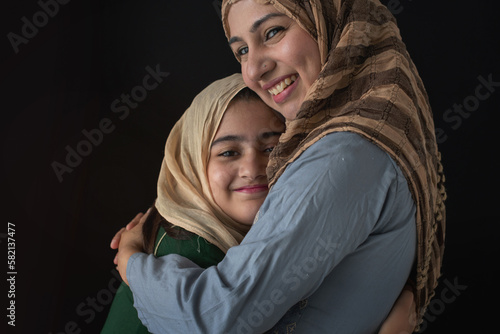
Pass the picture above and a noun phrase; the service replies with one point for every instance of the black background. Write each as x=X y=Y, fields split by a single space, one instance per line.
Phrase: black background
x=65 y=77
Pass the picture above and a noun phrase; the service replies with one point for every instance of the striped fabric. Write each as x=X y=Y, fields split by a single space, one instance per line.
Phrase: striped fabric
x=370 y=86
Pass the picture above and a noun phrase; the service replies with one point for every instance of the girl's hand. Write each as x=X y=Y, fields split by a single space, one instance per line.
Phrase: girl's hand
x=403 y=316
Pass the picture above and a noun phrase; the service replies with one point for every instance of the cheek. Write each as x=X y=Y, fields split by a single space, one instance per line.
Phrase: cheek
x=218 y=178
x=304 y=55
x=313 y=61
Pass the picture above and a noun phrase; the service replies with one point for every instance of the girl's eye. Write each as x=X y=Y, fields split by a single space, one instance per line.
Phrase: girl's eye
x=228 y=154
x=269 y=149
x=271 y=33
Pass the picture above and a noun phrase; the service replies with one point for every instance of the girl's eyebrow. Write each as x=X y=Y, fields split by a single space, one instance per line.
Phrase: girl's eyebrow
x=227 y=138
x=270 y=134
x=256 y=26
x=265 y=135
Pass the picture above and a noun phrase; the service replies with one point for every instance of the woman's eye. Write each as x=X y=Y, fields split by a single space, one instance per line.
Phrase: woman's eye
x=269 y=149
x=271 y=33
x=242 y=51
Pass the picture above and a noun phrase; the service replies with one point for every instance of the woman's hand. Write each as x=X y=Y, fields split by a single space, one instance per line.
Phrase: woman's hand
x=129 y=241
x=116 y=239
x=403 y=316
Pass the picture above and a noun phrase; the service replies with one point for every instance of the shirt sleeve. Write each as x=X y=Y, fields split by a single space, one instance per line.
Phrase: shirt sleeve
x=323 y=208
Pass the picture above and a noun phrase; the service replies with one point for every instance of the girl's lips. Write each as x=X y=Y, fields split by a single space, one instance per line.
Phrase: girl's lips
x=253 y=189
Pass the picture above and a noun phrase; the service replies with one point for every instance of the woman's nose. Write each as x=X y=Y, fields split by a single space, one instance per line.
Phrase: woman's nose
x=257 y=65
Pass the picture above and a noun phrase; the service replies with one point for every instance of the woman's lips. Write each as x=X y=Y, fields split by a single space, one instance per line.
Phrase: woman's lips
x=281 y=84
x=279 y=98
x=253 y=189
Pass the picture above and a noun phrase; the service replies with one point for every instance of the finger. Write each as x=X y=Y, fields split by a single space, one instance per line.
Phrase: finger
x=134 y=221
x=116 y=239
x=413 y=315
x=412 y=309
x=145 y=216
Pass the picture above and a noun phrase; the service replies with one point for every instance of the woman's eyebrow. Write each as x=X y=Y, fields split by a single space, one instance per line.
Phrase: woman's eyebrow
x=255 y=26
x=234 y=40
x=263 y=19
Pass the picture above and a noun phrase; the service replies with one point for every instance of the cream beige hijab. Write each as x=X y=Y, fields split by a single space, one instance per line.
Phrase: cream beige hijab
x=184 y=196
x=370 y=86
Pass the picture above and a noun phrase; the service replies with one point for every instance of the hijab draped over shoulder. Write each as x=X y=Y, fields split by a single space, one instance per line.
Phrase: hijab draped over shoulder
x=369 y=85
x=184 y=197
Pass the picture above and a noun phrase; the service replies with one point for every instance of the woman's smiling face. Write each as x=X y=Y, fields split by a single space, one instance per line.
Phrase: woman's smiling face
x=279 y=60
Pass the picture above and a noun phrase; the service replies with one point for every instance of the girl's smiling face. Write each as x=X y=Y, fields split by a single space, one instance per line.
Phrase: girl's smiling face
x=239 y=155
x=279 y=60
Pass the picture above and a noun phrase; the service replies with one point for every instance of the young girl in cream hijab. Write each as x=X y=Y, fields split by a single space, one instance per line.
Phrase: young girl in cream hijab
x=211 y=184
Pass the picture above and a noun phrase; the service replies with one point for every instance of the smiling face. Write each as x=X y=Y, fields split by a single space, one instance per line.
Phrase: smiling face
x=279 y=59
x=239 y=155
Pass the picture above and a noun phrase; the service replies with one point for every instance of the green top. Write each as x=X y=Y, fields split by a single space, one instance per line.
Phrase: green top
x=122 y=317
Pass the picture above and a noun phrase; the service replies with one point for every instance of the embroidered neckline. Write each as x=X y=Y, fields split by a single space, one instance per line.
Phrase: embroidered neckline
x=159 y=242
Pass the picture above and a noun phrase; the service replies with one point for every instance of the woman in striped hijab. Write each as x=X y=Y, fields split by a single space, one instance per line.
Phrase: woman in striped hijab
x=369 y=85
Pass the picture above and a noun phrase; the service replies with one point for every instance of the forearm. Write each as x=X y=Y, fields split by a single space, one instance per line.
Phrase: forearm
x=187 y=298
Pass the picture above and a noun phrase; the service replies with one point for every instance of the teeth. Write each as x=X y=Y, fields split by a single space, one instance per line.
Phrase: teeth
x=282 y=85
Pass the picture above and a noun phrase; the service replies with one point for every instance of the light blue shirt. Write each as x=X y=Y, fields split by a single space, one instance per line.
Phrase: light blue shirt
x=337 y=228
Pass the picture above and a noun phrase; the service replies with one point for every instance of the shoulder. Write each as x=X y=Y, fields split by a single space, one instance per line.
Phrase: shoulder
x=344 y=160
x=347 y=147
x=342 y=175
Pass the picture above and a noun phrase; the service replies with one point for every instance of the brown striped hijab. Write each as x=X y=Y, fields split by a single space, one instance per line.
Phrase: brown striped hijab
x=370 y=86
